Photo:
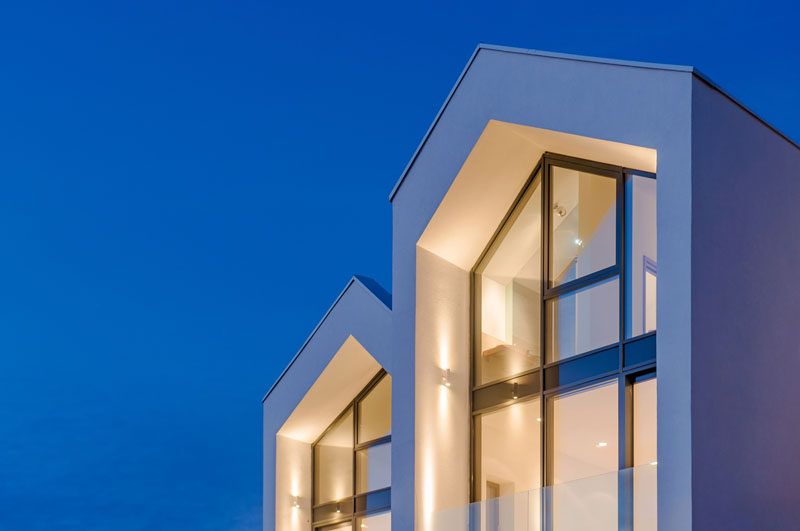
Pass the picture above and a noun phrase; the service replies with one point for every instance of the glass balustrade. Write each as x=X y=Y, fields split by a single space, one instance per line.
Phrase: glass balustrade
x=624 y=500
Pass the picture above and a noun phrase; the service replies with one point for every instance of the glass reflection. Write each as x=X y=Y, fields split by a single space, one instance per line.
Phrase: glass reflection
x=508 y=450
x=510 y=293
x=373 y=468
x=333 y=461
x=583 y=320
x=375 y=412
x=641 y=255
x=585 y=445
x=583 y=221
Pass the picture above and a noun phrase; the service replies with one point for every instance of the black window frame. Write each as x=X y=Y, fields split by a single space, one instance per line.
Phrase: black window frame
x=356 y=505
x=604 y=364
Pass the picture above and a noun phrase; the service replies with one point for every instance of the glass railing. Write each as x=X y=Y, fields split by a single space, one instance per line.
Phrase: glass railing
x=624 y=500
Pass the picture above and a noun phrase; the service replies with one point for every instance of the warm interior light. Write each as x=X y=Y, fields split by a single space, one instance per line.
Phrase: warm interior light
x=602 y=444
x=338 y=507
x=515 y=391
x=446 y=378
x=296 y=502
x=654 y=463
x=578 y=242
x=538 y=419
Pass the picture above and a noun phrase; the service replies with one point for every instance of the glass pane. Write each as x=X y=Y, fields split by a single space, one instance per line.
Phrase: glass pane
x=645 y=454
x=375 y=412
x=584 y=428
x=583 y=224
x=589 y=503
x=375 y=522
x=333 y=462
x=508 y=446
x=510 y=294
x=374 y=468
x=583 y=320
x=644 y=423
x=641 y=256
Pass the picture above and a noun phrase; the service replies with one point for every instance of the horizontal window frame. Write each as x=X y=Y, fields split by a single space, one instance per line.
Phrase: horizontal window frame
x=622 y=374
x=352 y=408
x=549 y=160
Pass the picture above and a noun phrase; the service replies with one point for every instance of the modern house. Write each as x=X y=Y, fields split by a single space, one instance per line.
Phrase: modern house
x=592 y=325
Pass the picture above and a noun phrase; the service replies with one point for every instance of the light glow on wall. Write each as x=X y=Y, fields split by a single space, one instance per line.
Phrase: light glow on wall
x=428 y=488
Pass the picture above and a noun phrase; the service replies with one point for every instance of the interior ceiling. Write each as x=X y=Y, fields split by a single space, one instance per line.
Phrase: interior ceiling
x=350 y=370
x=493 y=175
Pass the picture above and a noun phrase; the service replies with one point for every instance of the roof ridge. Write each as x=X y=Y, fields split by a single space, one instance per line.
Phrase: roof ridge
x=369 y=284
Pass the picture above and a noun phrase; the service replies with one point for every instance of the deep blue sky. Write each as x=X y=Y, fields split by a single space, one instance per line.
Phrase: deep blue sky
x=187 y=186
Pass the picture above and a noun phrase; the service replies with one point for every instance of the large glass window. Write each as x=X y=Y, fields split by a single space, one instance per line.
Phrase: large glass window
x=641 y=255
x=571 y=276
x=583 y=223
x=511 y=299
x=645 y=456
x=333 y=461
x=373 y=468
x=375 y=522
x=583 y=320
x=508 y=442
x=584 y=456
x=352 y=462
x=584 y=433
x=375 y=412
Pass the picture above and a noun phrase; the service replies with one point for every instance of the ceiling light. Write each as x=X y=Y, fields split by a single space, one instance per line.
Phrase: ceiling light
x=578 y=242
x=560 y=210
x=338 y=508
x=601 y=444
x=654 y=463
x=538 y=419
x=515 y=391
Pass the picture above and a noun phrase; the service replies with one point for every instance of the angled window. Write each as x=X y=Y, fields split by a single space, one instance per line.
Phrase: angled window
x=564 y=361
x=510 y=293
x=333 y=461
x=352 y=462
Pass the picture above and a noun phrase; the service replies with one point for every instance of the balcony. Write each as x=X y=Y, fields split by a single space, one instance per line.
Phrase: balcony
x=618 y=501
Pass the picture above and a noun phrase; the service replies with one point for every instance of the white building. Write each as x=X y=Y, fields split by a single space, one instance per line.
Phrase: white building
x=510 y=381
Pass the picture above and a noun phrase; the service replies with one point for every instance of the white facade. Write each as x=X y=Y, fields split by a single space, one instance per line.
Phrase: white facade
x=726 y=187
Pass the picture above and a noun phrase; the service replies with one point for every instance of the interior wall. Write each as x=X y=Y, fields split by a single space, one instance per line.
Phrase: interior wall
x=292 y=478
x=442 y=429
x=745 y=308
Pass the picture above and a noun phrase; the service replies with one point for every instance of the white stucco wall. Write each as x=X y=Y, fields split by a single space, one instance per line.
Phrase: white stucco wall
x=647 y=107
x=442 y=435
x=292 y=478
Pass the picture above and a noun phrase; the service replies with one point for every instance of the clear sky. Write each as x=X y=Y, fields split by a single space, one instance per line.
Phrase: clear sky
x=187 y=186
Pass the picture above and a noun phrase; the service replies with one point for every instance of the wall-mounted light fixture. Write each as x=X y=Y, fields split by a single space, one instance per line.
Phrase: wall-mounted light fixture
x=515 y=391
x=295 y=502
x=338 y=507
x=446 y=374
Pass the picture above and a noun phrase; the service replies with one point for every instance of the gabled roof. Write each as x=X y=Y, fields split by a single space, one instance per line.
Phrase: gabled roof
x=383 y=297
x=554 y=55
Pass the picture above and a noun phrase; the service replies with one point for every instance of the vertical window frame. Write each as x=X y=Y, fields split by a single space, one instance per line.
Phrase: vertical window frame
x=352 y=502
x=626 y=376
